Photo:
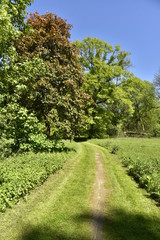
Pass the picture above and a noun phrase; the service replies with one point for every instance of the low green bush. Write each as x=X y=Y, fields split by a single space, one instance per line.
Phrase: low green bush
x=20 y=174
x=146 y=173
x=115 y=149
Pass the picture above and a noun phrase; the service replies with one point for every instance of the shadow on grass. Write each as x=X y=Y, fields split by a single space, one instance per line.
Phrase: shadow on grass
x=45 y=233
x=118 y=225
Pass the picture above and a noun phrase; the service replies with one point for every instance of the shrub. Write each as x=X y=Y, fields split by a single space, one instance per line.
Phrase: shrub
x=20 y=174
x=115 y=149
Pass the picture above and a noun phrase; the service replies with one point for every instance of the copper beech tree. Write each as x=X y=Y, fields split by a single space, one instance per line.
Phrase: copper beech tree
x=56 y=97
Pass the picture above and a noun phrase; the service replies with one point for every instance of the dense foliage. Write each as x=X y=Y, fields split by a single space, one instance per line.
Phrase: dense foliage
x=104 y=68
x=41 y=93
x=140 y=156
x=53 y=89
x=19 y=175
x=121 y=101
x=56 y=97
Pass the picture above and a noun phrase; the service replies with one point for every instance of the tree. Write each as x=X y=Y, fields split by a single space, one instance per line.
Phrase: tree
x=16 y=123
x=104 y=68
x=12 y=14
x=144 y=103
x=156 y=83
x=57 y=97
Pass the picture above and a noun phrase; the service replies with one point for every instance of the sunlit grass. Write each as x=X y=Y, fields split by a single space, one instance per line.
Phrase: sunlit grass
x=141 y=156
x=129 y=213
x=54 y=210
x=61 y=207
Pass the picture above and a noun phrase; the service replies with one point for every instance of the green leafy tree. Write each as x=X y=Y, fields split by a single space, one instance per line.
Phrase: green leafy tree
x=105 y=67
x=14 y=118
x=156 y=83
x=144 y=104
x=17 y=123
x=12 y=14
x=57 y=97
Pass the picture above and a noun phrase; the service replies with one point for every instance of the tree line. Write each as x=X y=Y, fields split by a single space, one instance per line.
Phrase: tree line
x=52 y=88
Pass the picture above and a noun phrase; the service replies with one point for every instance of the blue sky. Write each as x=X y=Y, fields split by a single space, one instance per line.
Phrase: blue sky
x=134 y=24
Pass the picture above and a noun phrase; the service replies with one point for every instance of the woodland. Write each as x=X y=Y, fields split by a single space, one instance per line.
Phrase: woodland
x=52 y=88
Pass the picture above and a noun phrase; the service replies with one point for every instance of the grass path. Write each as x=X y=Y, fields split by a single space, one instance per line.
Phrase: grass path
x=98 y=200
x=54 y=210
x=129 y=213
x=62 y=207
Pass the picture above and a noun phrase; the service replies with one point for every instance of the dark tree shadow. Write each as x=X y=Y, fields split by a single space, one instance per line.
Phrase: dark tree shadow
x=120 y=225
x=45 y=233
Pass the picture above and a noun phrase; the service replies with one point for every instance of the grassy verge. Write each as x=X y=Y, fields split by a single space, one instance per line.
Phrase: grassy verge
x=55 y=209
x=141 y=157
x=129 y=214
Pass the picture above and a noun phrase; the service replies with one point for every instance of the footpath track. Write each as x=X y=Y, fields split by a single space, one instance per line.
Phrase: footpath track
x=91 y=198
x=98 y=200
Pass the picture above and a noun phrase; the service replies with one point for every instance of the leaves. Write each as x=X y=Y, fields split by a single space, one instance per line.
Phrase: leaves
x=56 y=97
x=104 y=69
x=18 y=176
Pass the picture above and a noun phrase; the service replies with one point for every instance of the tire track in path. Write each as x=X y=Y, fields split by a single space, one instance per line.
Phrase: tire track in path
x=98 y=200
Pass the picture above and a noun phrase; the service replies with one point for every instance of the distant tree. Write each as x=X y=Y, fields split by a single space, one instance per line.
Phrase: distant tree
x=156 y=83
x=144 y=103
x=105 y=67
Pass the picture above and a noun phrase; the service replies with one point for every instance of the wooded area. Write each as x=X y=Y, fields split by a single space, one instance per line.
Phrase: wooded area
x=52 y=88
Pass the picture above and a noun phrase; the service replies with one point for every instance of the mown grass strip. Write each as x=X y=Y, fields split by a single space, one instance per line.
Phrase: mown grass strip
x=141 y=157
x=57 y=209
x=129 y=214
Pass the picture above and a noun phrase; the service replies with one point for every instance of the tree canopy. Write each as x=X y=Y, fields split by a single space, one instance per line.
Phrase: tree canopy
x=120 y=100
x=51 y=88
x=105 y=68
x=56 y=97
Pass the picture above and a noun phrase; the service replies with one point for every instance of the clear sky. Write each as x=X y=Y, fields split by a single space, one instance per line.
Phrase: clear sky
x=133 y=24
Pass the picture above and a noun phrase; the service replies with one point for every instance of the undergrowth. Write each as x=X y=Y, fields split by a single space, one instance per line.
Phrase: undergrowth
x=20 y=174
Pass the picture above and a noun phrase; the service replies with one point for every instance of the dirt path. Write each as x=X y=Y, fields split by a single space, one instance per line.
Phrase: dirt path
x=98 y=200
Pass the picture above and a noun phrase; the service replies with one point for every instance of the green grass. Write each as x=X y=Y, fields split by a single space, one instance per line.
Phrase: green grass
x=54 y=210
x=61 y=207
x=137 y=147
x=129 y=214
x=142 y=159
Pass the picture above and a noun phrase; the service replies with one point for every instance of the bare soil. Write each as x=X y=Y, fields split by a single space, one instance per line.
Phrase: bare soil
x=98 y=200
